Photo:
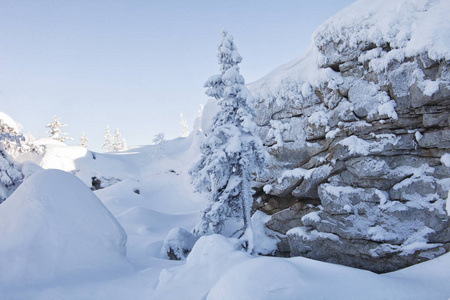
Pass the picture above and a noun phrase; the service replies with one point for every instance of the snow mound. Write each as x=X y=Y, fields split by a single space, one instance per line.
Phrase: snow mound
x=271 y=278
x=53 y=227
x=60 y=156
x=210 y=258
x=302 y=278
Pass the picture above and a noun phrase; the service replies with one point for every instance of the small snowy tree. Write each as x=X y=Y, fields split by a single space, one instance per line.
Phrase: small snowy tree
x=55 y=131
x=84 y=141
x=107 y=144
x=232 y=154
x=117 y=145
x=124 y=145
x=184 y=126
x=160 y=145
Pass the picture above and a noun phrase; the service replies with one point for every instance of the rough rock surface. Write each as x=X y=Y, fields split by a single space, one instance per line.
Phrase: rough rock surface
x=358 y=131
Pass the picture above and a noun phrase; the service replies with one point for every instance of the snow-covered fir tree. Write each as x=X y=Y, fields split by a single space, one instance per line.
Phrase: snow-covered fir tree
x=232 y=154
x=84 y=141
x=108 y=144
x=11 y=143
x=10 y=138
x=55 y=131
x=184 y=126
x=117 y=144
x=124 y=145
x=160 y=145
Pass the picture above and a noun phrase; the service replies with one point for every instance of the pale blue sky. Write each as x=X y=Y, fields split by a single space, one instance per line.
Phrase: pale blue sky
x=136 y=65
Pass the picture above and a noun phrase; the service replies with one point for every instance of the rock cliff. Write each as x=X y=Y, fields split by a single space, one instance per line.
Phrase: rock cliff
x=358 y=128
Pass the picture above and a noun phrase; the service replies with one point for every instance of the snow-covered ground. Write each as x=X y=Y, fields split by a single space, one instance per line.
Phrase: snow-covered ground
x=62 y=241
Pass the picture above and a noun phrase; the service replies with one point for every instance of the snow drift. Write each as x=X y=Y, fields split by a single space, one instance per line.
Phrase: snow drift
x=54 y=227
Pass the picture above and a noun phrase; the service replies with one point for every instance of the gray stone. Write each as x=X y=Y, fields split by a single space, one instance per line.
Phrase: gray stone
x=436 y=139
x=436 y=120
x=289 y=218
x=367 y=167
x=343 y=199
x=418 y=98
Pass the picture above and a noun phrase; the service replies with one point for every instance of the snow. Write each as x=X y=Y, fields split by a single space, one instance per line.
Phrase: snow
x=418 y=136
x=215 y=269
x=356 y=145
x=388 y=109
x=265 y=239
x=445 y=159
x=318 y=118
x=10 y=122
x=180 y=242
x=312 y=217
x=312 y=235
x=54 y=228
x=210 y=256
x=332 y=133
x=430 y=87
x=60 y=240
x=411 y=26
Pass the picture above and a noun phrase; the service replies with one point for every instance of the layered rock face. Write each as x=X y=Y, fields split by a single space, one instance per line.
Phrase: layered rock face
x=359 y=132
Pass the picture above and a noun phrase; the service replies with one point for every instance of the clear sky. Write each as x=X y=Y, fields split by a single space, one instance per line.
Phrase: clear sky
x=136 y=64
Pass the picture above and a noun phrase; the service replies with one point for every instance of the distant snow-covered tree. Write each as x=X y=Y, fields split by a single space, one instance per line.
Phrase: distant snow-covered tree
x=11 y=140
x=232 y=154
x=55 y=131
x=117 y=144
x=108 y=144
x=84 y=141
x=11 y=143
x=160 y=145
x=184 y=126
x=124 y=145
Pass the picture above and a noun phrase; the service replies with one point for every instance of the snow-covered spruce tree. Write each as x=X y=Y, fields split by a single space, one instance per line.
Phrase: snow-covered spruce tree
x=117 y=145
x=107 y=144
x=11 y=140
x=160 y=145
x=124 y=145
x=10 y=144
x=84 y=141
x=232 y=154
x=55 y=131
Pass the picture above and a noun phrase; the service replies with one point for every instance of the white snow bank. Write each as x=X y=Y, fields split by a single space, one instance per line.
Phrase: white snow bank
x=209 y=259
x=265 y=279
x=59 y=156
x=53 y=227
x=410 y=26
x=301 y=278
